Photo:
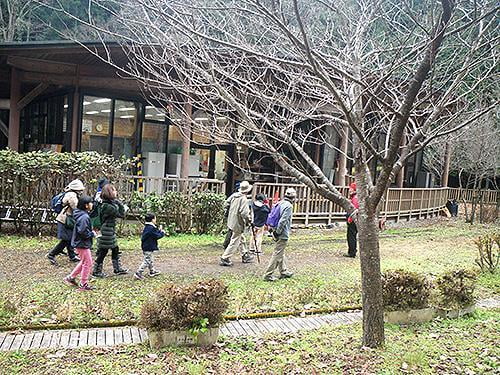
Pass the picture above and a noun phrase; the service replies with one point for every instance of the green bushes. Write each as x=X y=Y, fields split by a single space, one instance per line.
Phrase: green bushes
x=186 y=307
x=404 y=290
x=199 y=213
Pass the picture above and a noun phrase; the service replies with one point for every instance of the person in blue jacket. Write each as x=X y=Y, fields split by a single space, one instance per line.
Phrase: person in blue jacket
x=149 y=243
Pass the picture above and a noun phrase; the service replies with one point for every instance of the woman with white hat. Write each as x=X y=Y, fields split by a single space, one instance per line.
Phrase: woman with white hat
x=72 y=192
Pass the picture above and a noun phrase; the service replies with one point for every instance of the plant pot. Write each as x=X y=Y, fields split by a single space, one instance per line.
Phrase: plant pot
x=159 y=339
x=456 y=313
x=409 y=316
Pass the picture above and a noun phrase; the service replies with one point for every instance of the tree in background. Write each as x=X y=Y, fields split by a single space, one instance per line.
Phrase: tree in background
x=389 y=76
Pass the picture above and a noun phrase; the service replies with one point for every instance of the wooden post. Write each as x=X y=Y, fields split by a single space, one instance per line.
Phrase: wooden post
x=446 y=170
x=15 y=113
x=186 y=142
x=75 y=136
x=340 y=179
x=308 y=200
x=399 y=204
x=411 y=204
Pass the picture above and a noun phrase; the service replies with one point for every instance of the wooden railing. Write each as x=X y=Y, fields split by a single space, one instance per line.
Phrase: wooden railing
x=312 y=208
x=468 y=195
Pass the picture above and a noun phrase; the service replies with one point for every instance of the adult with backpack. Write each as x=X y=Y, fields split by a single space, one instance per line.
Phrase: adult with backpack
x=63 y=204
x=239 y=219
x=280 y=220
x=260 y=215
x=108 y=210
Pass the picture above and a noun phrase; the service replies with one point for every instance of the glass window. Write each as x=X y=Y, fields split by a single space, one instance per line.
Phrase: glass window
x=154 y=137
x=125 y=129
x=95 y=124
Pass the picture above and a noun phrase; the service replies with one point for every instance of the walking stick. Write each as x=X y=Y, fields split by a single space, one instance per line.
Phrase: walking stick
x=255 y=243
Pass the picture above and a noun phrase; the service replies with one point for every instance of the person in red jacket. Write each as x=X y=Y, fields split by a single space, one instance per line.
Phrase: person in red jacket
x=352 y=230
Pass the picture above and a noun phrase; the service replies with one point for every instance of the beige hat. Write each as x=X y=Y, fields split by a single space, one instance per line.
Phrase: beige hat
x=76 y=185
x=290 y=193
x=245 y=187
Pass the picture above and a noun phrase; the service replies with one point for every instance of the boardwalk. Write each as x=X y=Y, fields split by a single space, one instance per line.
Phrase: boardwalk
x=99 y=337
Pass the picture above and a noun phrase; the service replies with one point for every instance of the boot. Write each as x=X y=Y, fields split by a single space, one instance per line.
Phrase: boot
x=97 y=271
x=117 y=267
x=247 y=258
x=72 y=256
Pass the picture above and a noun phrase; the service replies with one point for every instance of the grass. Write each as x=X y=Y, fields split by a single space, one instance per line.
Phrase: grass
x=31 y=291
x=461 y=346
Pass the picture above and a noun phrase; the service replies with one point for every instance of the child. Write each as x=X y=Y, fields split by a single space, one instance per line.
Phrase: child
x=81 y=241
x=260 y=214
x=149 y=244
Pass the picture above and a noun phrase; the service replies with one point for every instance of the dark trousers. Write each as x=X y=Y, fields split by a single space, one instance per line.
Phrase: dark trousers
x=101 y=254
x=229 y=234
x=352 y=234
x=59 y=248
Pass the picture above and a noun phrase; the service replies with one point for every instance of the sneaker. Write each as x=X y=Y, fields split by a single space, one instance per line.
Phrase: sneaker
x=247 y=258
x=120 y=271
x=52 y=259
x=70 y=281
x=348 y=256
x=74 y=259
x=225 y=262
x=154 y=273
x=85 y=287
x=286 y=275
x=270 y=279
x=138 y=276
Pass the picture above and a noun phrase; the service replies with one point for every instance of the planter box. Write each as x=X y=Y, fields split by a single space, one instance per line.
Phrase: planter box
x=409 y=316
x=159 y=339
x=455 y=313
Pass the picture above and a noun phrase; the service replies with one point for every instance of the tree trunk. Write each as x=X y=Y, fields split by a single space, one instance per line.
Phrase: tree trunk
x=371 y=283
x=340 y=179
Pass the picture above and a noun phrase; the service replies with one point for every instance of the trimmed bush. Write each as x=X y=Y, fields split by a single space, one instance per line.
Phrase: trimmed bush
x=404 y=290
x=208 y=212
x=488 y=248
x=455 y=289
x=185 y=307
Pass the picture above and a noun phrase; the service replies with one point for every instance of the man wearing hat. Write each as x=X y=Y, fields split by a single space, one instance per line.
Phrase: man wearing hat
x=281 y=235
x=238 y=220
x=352 y=230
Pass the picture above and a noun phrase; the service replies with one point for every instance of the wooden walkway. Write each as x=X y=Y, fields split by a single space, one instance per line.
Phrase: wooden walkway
x=99 y=337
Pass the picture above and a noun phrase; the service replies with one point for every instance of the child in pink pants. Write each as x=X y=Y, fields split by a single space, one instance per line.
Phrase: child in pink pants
x=81 y=241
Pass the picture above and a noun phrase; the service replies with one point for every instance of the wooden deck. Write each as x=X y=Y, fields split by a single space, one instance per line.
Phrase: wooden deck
x=99 y=337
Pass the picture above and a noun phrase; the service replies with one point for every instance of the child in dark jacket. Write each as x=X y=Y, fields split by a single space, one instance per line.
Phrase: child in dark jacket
x=81 y=241
x=260 y=213
x=149 y=243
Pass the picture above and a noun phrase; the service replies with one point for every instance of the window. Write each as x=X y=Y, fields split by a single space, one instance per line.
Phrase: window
x=96 y=121
x=125 y=129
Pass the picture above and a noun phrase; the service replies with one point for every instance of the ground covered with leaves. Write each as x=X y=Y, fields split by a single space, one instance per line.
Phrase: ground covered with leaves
x=468 y=345
x=32 y=291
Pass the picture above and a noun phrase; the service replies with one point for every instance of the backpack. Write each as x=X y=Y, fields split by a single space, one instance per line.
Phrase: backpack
x=274 y=217
x=96 y=215
x=56 y=203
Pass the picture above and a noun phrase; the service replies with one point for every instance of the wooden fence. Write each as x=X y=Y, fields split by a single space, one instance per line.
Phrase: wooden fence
x=467 y=195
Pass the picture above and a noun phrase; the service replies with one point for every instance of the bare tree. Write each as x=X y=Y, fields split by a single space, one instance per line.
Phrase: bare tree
x=389 y=76
x=16 y=19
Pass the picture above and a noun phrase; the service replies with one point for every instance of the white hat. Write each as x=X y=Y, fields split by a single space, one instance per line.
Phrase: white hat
x=290 y=193
x=76 y=185
x=245 y=187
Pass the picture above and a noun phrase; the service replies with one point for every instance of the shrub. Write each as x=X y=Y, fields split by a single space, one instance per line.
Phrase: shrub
x=488 y=248
x=455 y=289
x=404 y=290
x=186 y=307
x=208 y=212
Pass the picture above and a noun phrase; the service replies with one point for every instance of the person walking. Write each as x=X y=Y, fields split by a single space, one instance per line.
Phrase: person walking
x=260 y=213
x=149 y=244
x=111 y=209
x=229 y=233
x=352 y=230
x=281 y=235
x=81 y=240
x=64 y=232
x=239 y=219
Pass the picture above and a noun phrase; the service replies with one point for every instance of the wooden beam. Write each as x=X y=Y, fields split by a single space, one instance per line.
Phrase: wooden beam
x=28 y=98
x=15 y=114
x=42 y=66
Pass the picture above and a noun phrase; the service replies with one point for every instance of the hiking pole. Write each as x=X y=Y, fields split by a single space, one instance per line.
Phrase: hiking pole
x=255 y=244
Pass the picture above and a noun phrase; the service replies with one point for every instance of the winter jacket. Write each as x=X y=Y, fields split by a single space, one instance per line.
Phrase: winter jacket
x=282 y=231
x=110 y=210
x=355 y=203
x=240 y=216
x=82 y=232
x=260 y=213
x=150 y=237
x=70 y=201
